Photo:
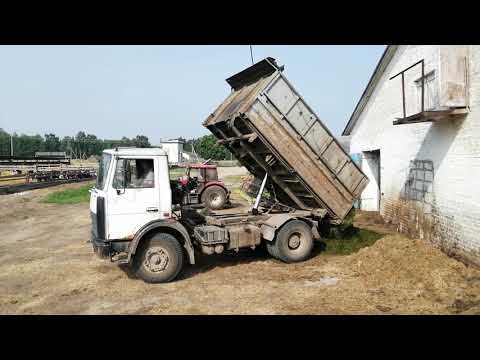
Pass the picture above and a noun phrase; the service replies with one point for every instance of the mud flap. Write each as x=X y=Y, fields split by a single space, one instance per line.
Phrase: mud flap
x=268 y=232
x=315 y=233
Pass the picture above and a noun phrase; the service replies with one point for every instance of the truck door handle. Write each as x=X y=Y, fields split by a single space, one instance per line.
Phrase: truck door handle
x=152 y=209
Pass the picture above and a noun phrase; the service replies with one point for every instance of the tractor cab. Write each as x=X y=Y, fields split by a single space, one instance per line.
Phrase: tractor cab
x=201 y=174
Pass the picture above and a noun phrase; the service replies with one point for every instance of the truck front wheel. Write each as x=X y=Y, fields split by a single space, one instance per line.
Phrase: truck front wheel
x=293 y=243
x=214 y=197
x=158 y=259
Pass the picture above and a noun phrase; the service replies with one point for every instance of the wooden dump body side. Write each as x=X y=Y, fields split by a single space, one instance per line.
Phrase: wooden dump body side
x=270 y=129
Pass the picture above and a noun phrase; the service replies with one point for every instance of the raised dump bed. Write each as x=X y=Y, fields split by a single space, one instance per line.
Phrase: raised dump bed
x=270 y=129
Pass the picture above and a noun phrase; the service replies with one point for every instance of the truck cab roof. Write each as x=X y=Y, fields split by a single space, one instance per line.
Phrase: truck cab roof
x=133 y=151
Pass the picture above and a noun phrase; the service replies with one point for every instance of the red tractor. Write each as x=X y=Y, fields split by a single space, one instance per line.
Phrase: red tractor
x=200 y=185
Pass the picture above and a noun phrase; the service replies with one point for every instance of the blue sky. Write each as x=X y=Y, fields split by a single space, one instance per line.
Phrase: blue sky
x=163 y=91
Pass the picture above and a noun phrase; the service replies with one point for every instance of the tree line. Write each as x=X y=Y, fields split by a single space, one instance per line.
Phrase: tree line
x=80 y=146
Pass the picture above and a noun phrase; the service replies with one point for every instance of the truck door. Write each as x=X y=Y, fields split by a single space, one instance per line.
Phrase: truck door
x=133 y=199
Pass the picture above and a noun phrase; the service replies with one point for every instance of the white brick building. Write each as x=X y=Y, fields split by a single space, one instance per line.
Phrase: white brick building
x=425 y=170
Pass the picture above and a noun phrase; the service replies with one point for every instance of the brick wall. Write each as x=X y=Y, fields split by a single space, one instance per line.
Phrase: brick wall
x=449 y=213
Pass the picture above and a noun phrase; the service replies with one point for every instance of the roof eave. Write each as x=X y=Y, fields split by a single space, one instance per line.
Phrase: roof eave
x=377 y=73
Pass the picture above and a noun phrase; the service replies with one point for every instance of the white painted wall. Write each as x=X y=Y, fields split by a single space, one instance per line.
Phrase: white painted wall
x=174 y=151
x=452 y=145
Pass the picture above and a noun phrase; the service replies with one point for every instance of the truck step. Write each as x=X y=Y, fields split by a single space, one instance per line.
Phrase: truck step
x=120 y=258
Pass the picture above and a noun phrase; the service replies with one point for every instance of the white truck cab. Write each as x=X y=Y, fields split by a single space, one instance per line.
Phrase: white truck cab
x=132 y=199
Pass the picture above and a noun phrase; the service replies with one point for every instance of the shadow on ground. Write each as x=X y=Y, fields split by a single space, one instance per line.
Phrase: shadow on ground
x=205 y=263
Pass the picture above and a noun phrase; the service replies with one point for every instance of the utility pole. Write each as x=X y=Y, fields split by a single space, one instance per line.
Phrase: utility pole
x=194 y=152
x=11 y=145
x=251 y=53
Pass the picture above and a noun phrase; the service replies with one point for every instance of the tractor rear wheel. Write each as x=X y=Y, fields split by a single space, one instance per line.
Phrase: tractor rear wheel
x=214 y=197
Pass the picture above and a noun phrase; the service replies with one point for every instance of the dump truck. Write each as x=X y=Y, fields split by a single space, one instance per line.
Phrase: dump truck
x=307 y=180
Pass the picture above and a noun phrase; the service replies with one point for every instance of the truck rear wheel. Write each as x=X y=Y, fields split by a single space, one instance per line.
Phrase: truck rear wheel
x=158 y=259
x=214 y=197
x=293 y=243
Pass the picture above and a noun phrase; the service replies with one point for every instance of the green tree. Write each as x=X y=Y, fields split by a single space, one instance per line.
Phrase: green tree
x=66 y=144
x=92 y=145
x=4 y=142
x=126 y=142
x=79 y=148
x=51 y=143
x=208 y=148
x=26 y=145
x=188 y=145
x=141 y=141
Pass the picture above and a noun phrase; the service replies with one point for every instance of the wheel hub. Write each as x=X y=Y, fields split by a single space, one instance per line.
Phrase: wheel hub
x=214 y=199
x=294 y=241
x=156 y=259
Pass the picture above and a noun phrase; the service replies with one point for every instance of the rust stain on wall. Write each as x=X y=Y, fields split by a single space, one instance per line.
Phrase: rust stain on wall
x=424 y=221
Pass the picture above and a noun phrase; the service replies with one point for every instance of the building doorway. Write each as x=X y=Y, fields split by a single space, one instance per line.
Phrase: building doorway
x=371 y=196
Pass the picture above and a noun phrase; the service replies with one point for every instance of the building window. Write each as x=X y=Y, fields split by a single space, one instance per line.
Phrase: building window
x=431 y=92
x=418 y=186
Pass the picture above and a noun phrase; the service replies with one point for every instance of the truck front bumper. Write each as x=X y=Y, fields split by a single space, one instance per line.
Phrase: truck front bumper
x=101 y=248
x=116 y=251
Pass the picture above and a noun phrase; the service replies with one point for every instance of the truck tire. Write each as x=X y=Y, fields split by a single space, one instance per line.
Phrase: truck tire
x=293 y=243
x=214 y=197
x=158 y=259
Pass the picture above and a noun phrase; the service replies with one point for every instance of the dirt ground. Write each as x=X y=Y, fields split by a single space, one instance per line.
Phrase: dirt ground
x=47 y=267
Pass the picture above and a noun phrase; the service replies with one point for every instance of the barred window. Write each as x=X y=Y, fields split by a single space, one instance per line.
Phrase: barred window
x=420 y=180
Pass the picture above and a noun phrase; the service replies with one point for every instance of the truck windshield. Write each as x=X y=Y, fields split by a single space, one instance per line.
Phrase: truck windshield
x=103 y=171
